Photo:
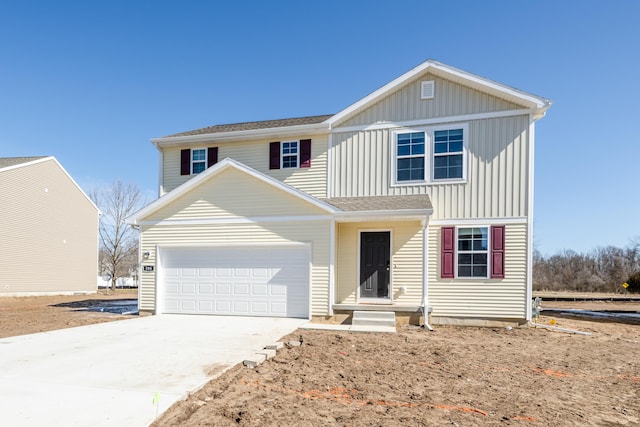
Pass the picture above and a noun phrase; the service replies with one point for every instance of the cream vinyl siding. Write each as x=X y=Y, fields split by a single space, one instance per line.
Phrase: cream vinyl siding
x=255 y=154
x=406 y=260
x=482 y=298
x=48 y=232
x=497 y=170
x=451 y=99
x=316 y=233
x=232 y=193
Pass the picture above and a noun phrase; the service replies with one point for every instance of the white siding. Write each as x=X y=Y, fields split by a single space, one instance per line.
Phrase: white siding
x=48 y=232
x=255 y=154
x=497 y=170
x=482 y=298
x=451 y=99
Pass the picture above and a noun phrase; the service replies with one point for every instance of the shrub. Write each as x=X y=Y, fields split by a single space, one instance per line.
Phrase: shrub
x=634 y=283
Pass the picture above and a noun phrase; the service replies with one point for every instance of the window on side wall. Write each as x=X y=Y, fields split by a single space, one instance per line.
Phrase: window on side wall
x=198 y=160
x=290 y=154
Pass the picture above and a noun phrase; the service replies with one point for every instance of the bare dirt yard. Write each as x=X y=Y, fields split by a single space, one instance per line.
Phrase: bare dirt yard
x=28 y=315
x=458 y=376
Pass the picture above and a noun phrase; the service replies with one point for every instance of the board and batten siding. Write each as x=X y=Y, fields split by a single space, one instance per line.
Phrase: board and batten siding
x=255 y=154
x=48 y=233
x=230 y=194
x=450 y=99
x=316 y=233
x=406 y=260
x=481 y=298
x=497 y=170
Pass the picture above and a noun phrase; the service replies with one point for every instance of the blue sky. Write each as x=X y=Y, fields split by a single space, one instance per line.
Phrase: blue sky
x=92 y=82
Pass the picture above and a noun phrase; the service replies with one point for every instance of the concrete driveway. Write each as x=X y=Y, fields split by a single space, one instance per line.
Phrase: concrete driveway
x=109 y=373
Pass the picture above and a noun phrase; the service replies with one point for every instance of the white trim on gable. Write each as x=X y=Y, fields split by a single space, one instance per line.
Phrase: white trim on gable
x=214 y=170
x=540 y=105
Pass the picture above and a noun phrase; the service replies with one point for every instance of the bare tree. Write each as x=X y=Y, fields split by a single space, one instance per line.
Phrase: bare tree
x=118 y=240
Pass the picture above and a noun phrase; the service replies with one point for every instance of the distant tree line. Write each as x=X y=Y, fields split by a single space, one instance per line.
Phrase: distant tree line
x=601 y=270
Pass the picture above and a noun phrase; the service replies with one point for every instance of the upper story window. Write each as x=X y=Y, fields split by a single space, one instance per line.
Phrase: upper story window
x=429 y=156
x=198 y=160
x=410 y=156
x=290 y=154
x=447 y=154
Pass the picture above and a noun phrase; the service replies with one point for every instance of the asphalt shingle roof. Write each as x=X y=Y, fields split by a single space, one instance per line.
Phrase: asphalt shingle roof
x=265 y=124
x=5 y=162
x=381 y=203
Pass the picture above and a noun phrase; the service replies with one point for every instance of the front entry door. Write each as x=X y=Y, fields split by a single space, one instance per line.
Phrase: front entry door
x=374 y=264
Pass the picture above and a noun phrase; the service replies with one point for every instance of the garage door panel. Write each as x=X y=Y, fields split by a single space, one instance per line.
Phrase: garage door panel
x=254 y=281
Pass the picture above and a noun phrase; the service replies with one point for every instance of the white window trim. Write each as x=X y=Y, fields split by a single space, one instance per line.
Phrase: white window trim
x=457 y=251
x=282 y=154
x=429 y=149
x=206 y=154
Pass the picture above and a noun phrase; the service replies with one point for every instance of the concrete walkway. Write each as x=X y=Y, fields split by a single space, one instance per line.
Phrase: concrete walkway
x=108 y=374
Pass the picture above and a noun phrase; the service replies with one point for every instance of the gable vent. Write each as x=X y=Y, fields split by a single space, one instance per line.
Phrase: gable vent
x=427 y=89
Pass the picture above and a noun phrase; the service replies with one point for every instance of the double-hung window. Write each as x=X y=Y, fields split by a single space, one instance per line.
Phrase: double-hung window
x=198 y=160
x=473 y=252
x=290 y=154
x=430 y=155
x=410 y=156
x=448 y=149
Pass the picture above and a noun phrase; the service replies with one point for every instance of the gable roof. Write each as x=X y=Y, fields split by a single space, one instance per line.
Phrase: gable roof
x=211 y=172
x=534 y=102
x=299 y=126
x=9 y=162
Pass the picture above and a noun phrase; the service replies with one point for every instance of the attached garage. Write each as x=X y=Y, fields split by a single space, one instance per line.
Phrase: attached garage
x=262 y=280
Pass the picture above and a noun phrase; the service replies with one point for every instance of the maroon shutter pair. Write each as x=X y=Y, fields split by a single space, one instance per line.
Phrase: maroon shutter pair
x=448 y=245
x=305 y=154
x=185 y=159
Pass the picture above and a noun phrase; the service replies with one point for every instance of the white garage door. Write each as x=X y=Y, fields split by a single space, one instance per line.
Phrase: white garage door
x=242 y=281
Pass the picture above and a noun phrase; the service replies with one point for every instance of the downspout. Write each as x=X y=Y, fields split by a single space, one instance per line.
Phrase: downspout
x=425 y=273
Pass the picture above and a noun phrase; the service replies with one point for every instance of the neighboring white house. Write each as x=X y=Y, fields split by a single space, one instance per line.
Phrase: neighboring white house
x=418 y=195
x=48 y=230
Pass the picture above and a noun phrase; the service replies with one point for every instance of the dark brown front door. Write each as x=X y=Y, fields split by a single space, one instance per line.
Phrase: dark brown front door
x=374 y=264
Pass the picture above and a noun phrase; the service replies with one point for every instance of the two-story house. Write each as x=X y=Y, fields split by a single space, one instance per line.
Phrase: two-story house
x=419 y=195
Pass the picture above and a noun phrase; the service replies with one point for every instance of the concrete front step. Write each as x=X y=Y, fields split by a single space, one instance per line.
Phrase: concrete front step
x=374 y=318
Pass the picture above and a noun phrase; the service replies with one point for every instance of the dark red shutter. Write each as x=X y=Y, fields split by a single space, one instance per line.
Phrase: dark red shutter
x=274 y=155
x=448 y=244
x=497 y=252
x=185 y=162
x=305 y=153
x=212 y=156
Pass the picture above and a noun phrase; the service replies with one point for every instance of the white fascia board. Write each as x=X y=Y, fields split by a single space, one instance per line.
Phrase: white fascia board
x=237 y=220
x=508 y=92
x=480 y=221
x=298 y=130
x=29 y=163
x=212 y=171
x=434 y=121
x=386 y=215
